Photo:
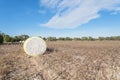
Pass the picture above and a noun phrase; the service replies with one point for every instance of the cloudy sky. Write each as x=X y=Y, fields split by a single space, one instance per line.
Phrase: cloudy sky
x=73 y=18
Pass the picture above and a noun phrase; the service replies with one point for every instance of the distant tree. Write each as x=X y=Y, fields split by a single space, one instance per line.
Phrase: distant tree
x=84 y=38
x=101 y=38
x=20 y=38
x=13 y=39
x=117 y=37
x=68 y=39
x=52 y=39
x=17 y=39
x=61 y=38
x=91 y=38
x=23 y=37
x=7 y=38
x=76 y=39
x=1 y=39
x=44 y=38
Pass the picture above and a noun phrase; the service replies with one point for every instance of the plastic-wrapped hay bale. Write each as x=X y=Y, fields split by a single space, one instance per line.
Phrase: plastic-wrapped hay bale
x=34 y=46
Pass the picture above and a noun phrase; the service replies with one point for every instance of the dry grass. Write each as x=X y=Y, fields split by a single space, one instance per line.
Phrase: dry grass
x=64 y=60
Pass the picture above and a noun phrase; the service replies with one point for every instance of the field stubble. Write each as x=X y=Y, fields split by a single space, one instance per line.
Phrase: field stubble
x=63 y=60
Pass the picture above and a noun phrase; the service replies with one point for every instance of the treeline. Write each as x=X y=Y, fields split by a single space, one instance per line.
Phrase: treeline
x=4 y=38
x=82 y=38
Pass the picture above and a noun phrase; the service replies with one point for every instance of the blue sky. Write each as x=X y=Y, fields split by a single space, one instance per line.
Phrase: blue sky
x=60 y=18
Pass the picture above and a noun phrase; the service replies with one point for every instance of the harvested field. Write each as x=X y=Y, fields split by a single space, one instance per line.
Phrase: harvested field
x=63 y=60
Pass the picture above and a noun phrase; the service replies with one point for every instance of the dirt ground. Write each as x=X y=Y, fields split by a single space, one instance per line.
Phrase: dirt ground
x=63 y=60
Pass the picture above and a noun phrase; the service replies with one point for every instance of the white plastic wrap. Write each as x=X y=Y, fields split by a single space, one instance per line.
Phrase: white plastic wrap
x=34 y=46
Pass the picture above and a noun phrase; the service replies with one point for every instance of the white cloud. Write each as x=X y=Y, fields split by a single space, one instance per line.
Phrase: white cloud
x=49 y=3
x=74 y=13
x=116 y=11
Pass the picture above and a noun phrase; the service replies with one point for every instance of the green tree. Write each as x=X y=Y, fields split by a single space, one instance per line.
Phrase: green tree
x=13 y=39
x=68 y=39
x=1 y=39
x=20 y=38
x=77 y=39
x=84 y=38
x=23 y=37
x=61 y=38
x=7 y=38
x=91 y=38
x=44 y=38
x=117 y=38
x=101 y=38
x=52 y=39
x=17 y=39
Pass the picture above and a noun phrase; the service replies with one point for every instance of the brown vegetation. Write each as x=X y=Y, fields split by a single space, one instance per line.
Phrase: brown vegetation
x=63 y=60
